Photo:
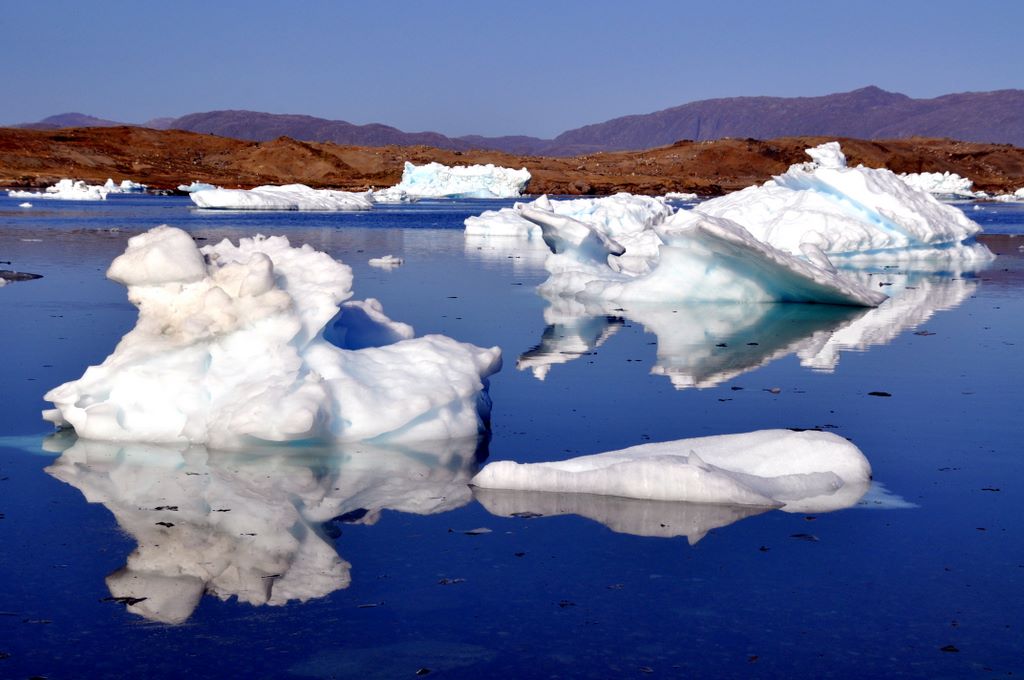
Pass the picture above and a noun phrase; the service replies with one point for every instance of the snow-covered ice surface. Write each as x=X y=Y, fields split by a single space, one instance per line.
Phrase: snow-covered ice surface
x=250 y=525
x=851 y=214
x=806 y=471
x=287 y=197
x=702 y=345
x=435 y=180
x=66 y=190
x=196 y=186
x=229 y=348
x=944 y=184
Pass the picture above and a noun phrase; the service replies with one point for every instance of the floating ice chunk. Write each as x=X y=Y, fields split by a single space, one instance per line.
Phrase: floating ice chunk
x=287 y=197
x=126 y=186
x=66 y=190
x=680 y=196
x=622 y=216
x=850 y=214
x=690 y=257
x=393 y=194
x=230 y=349
x=1015 y=197
x=26 y=204
x=255 y=525
x=947 y=184
x=435 y=180
x=196 y=186
x=795 y=471
x=386 y=262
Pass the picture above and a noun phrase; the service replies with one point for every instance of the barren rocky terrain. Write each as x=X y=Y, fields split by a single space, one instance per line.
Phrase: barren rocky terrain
x=165 y=158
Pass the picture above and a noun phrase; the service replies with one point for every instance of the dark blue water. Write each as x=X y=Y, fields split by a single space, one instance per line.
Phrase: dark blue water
x=877 y=590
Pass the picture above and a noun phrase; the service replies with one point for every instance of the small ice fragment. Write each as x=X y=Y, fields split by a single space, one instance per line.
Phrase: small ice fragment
x=386 y=262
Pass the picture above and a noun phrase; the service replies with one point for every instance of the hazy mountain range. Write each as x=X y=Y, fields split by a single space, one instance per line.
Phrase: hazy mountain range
x=867 y=113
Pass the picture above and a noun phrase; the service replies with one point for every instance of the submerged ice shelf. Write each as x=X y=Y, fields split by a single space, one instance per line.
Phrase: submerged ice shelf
x=233 y=344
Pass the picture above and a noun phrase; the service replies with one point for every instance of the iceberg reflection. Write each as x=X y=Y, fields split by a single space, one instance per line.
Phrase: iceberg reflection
x=705 y=344
x=257 y=525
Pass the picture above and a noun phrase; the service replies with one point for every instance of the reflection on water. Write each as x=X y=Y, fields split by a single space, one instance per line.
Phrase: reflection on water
x=527 y=256
x=703 y=345
x=257 y=525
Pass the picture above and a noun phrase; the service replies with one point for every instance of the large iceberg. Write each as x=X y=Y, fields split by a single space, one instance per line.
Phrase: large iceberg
x=233 y=344
x=851 y=214
x=258 y=525
x=690 y=257
x=435 y=180
x=287 y=197
x=808 y=471
x=66 y=190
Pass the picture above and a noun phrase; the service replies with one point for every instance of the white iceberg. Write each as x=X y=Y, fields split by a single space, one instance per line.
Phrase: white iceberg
x=624 y=217
x=392 y=195
x=126 y=186
x=681 y=196
x=229 y=348
x=196 y=186
x=258 y=525
x=26 y=204
x=386 y=262
x=690 y=257
x=435 y=180
x=945 y=184
x=66 y=190
x=1015 y=197
x=851 y=214
x=287 y=197
x=808 y=471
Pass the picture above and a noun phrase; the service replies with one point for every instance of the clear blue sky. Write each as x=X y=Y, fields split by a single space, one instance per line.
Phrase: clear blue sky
x=462 y=67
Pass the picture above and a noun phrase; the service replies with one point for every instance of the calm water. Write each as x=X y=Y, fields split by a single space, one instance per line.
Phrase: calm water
x=922 y=579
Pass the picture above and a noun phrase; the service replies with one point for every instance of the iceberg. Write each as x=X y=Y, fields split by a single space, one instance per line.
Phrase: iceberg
x=66 y=190
x=125 y=187
x=850 y=214
x=620 y=216
x=229 y=349
x=258 y=525
x=287 y=197
x=807 y=471
x=196 y=186
x=945 y=184
x=1015 y=197
x=26 y=204
x=435 y=180
x=386 y=262
x=392 y=195
x=689 y=257
x=681 y=196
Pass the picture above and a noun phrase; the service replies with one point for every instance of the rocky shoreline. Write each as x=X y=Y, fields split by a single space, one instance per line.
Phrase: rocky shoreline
x=164 y=159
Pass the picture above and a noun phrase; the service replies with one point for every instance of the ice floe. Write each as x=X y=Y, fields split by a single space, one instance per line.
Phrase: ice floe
x=26 y=204
x=1015 y=197
x=126 y=186
x=435 y=180
x=66 y=190
x=680 y=196
x=196 y=186
x=258 y=525
x=690 y=257
x=386 y=262
x=945 y=184
x=808 y=471
x=850 y=214
x=229 y=348
x=287 y=197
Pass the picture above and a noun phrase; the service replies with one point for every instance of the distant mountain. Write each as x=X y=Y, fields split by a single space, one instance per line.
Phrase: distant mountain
x=867 y=113
x=64 y=120
x=262 y=127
